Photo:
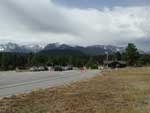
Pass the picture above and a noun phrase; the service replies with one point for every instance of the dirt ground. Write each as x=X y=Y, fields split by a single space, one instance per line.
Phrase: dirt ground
x=114 y=91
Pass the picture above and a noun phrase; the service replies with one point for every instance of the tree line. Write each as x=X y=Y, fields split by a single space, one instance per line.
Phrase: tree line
x=10 y=61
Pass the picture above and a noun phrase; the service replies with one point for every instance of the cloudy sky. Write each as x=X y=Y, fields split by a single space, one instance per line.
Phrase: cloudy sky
x=77 y=22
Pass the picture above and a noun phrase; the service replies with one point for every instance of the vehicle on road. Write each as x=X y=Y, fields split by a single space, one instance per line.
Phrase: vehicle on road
x=58 y=68
x=67 y=68
x=40 y=68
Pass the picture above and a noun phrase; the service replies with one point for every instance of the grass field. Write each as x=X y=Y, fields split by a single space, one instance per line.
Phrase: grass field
x=113 y=91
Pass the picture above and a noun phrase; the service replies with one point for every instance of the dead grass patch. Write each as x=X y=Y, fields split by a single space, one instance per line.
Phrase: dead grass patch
x=116 y=91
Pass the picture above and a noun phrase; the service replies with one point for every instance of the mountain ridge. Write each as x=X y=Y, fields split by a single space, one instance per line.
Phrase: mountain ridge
x=89 y=50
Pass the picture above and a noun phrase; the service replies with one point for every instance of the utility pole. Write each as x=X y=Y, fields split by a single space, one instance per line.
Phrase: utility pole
x=107 y=57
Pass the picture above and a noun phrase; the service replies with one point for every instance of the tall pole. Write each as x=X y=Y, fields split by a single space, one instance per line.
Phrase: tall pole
x=107 y=57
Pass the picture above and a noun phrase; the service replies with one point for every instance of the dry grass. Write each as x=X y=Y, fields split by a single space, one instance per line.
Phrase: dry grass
x=116 y=91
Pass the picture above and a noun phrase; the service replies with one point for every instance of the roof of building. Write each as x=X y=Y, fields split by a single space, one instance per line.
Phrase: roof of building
x=110 y=62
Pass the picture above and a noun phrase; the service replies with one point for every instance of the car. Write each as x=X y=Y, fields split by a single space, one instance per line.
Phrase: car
x=34 y=68
x=67 y=68
x=41 y=68
x=58 y=68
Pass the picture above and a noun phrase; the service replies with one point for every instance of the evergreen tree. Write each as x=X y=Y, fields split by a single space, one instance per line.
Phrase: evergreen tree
x=131 y=54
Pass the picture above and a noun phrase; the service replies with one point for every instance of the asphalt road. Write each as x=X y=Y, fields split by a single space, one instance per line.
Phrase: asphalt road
x=12 y=83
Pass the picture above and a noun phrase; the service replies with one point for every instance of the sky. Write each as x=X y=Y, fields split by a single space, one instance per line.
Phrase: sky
x=76 y=22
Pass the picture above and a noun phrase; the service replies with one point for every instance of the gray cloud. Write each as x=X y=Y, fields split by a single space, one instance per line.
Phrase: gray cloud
x=44 y=21
x=101 y=3
x=37 y=16
x=142 y=43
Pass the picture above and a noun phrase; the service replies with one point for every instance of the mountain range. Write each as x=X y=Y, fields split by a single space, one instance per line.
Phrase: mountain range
x=13 y=47
x=89 y=50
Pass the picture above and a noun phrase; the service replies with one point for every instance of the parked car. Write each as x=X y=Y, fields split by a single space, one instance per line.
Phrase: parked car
x=34 y=68
x=67 y=68
x=41 y=68
x=58 y=68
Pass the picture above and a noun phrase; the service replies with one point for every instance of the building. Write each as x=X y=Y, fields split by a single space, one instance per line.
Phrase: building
x=115 y=64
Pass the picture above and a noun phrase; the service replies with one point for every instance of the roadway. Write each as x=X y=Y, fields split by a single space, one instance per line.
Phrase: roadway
x=12 y=83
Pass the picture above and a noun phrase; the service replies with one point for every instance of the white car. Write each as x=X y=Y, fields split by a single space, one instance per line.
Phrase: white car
x=34 y=68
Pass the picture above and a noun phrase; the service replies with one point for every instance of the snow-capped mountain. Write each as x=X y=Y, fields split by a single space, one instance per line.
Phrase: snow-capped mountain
x=58 y=46
x=13 y=47
x=90 y=50
x=34 y=47
x=9 y=47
